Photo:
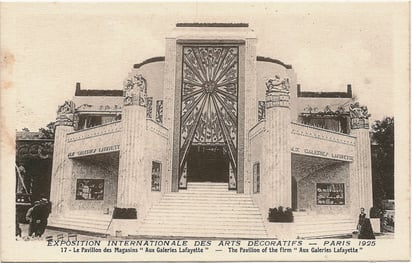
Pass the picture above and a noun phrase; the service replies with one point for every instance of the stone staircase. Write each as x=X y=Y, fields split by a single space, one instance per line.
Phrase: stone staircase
x=323 y=226
x=204 y=210
x=87 y=221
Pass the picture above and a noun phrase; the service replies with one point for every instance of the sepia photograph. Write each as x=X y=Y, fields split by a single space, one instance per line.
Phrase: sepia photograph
x=233 y=131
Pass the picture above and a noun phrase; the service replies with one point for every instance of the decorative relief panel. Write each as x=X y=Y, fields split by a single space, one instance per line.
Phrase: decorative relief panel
x=135 y=91
x=65 y=114
x=159 y=111
x=261 y=110
x=149 y=107
x=156 y=176
x=277 y=92
x=359 y=116
x=209 y=99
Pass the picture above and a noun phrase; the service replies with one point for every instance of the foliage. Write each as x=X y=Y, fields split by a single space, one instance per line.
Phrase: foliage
x=48 y=132
x=383 y=160
x=375 y=212
x=280 y=215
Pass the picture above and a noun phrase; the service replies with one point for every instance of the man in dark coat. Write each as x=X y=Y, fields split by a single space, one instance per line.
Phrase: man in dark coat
x=29 y=217
x=40 y=215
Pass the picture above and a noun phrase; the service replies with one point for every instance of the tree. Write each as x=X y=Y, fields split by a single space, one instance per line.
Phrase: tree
x=383 y=160
x=48 y=132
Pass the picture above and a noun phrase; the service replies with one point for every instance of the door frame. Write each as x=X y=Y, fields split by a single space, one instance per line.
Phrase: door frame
x=240 y=110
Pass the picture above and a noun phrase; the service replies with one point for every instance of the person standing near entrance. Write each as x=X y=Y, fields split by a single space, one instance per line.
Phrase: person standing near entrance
x=361 y=220
x=40 y=215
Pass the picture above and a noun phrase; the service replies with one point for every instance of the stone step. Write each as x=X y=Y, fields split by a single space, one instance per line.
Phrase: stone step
x=172 y=226
x=200 y=214
x=204 y=220
x=207 y=233
x=207 y=184
x=246 y=203
x=88 y=218
x=67 y=224
x=208 y=207
x=325 y=222
x=217 y=197
x=325 y=227
x=83 y=221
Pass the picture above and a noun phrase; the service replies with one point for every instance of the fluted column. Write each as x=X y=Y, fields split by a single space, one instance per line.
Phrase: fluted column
x=171 y=98
x=249 y=101
x=361 y=167
x=278 y=156
x=131 y=164
x=62 y=165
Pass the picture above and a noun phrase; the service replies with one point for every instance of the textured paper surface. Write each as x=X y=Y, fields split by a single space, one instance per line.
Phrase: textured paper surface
x=46 y=48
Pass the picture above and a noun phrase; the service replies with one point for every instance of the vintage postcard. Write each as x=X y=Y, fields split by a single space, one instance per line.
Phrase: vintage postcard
x=233 y=131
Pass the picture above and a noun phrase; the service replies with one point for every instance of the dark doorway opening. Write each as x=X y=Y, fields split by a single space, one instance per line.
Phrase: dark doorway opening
x=208 y=164
x=294 y=194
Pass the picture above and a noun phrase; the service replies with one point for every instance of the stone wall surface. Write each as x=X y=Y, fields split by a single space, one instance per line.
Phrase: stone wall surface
x=155 y=150
x=306 y=188
x=94 y=138
x=96 y=167
x=318 y=142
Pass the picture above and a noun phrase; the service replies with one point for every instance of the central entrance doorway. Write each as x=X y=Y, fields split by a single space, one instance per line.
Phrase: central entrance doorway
x=209 y=114
x=208 y=164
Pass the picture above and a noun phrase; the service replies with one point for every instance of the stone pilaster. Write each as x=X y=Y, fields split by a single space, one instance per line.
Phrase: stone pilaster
x=250 y=108
x=277 y=148
x=131 y=164
x=62 y=165
x=361 y=167
x=171 y=101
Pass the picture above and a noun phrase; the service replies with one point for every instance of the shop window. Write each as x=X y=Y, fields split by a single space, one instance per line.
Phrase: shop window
x=156 y=175
x=330 y=194
x=89 y=189
x=256 y=177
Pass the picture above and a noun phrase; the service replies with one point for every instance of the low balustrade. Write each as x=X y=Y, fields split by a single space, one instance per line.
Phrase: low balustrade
x=100 y=130
x=322 y=134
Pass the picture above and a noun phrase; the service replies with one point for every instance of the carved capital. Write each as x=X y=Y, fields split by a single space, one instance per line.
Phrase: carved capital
x=65 y=114
x=359 y=116
x=135 y=90
x=277 y=92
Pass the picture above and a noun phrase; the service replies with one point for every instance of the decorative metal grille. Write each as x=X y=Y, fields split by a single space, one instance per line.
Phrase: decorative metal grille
x=149 y=107
x=159 y=111
x=209 y=99
x=261 y=110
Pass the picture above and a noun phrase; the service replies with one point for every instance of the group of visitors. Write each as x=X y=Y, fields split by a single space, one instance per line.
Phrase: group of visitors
x=37 y=217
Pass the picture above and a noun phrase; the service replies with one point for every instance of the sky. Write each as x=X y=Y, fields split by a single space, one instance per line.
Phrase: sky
x=329 y=45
